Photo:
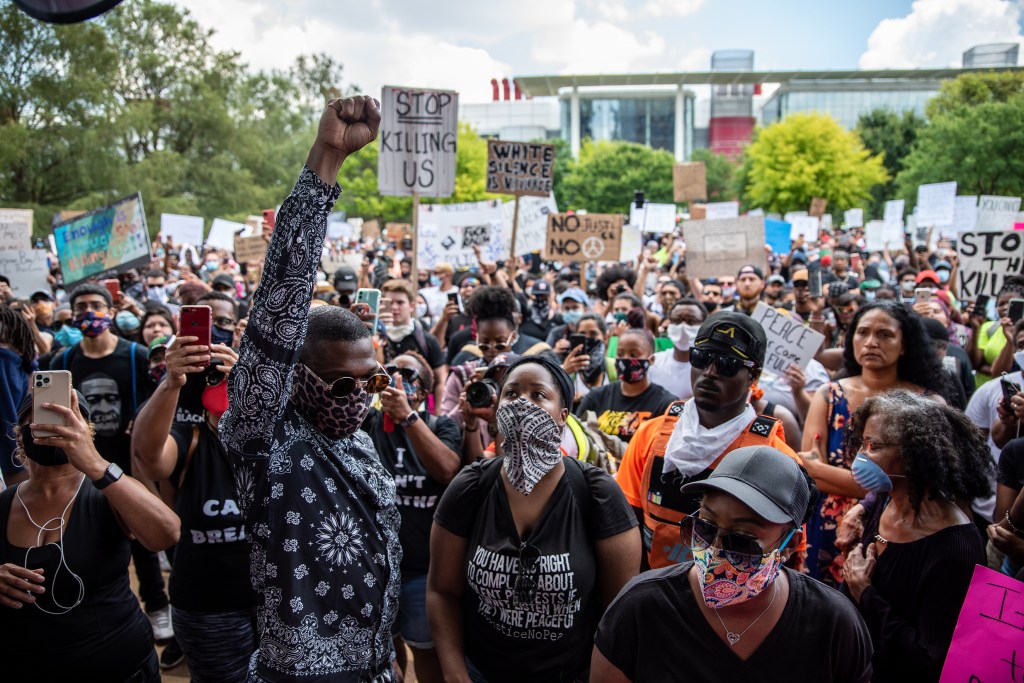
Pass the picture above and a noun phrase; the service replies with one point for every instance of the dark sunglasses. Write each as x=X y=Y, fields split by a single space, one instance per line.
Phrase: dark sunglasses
x=726 y=366
x=800 y=283
x=741 y=551
x=343 y=386
x=525 y=587
x=408 y=374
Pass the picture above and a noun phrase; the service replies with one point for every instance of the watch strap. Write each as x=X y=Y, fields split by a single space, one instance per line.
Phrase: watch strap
x=112 y=474
x=408 y=422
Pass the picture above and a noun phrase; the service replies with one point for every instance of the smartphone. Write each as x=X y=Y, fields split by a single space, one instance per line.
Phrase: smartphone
x=114 y=287
x=922 y=295
x=577 y=340
x=981 y=305
x=814 y=286
x=1016 y=310
x=456 y=298
x=196 y=321
x=51 y=386
x=370 y=297
x=1010 y=389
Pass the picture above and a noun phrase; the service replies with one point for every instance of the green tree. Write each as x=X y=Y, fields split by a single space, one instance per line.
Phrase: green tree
x=720 y=172
x=806 y=156
x=607 y=173
x=975 y=135
x=892 y=136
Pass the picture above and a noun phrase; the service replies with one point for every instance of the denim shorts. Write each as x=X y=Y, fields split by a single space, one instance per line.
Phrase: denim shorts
x=412 y=613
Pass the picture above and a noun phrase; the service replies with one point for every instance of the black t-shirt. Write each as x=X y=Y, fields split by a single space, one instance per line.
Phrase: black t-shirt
x=654 y=631
x=552 y=639
x=621 y=415
x=417 y=492
x=211 y=560
x=432 y=352
x=1011 y=465
x=113 y=397
x=457 y=324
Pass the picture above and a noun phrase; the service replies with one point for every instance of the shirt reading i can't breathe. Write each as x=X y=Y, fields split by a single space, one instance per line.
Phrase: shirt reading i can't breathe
x=551 y=638
x=620 y=415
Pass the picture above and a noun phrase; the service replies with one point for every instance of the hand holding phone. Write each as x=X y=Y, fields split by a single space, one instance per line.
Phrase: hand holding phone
x=197 y=321
x=51 y=386
x=1016 y=310
x=922 y=295
x=370 y=297
x=1010 y=389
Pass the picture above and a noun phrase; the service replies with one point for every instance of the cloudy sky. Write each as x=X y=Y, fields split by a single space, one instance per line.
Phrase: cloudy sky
x=462 y=44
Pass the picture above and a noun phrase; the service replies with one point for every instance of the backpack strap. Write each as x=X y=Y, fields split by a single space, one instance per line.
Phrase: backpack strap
x=189 y=456
x=421 y=338
x=64 y=356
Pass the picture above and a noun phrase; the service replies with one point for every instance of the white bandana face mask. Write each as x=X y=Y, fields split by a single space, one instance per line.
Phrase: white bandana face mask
x=532 y=443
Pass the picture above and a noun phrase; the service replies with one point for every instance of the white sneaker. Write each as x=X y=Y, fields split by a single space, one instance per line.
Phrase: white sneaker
x=161 y=622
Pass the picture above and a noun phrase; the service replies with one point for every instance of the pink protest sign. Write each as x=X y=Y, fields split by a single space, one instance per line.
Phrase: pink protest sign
x=988 y=643
x=1018 y=226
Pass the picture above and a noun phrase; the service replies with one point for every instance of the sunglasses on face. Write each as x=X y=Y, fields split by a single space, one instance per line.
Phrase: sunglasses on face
x=525 y=587
x=343 y=386
x=408 y=375
x=743 y=552
x=500 y=347
x=797 y=284
x=726 y=366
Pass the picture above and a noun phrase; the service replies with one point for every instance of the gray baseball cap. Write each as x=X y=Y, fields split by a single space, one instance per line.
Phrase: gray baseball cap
x=764 y=479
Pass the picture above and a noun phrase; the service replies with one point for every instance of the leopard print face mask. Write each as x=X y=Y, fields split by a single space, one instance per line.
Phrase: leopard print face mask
x=335 y=418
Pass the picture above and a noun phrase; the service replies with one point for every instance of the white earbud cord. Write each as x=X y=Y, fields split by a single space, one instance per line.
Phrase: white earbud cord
x=60 y=546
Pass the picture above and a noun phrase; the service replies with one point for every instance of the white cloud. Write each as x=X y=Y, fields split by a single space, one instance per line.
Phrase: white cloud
x=672 y=8
x=597 y=47
x=937 y=32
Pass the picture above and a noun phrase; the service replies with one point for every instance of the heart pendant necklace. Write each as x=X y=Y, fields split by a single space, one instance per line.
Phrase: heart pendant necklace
x=734 y=638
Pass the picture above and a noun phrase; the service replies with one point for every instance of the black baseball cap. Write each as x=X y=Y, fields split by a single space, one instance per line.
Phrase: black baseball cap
x=751 y=269
x=764 y=479
x=733 y=333
x=346 y=277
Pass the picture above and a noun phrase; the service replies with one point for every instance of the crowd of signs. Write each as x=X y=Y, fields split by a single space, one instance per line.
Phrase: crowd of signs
x=418 y=141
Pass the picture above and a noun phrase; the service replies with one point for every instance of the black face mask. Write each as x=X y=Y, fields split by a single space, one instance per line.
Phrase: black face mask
x=344 y=300
x=710 y=305
x=47 y=456
x=220 y=336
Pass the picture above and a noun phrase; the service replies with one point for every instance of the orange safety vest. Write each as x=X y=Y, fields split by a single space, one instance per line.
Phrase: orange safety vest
x=665 y=506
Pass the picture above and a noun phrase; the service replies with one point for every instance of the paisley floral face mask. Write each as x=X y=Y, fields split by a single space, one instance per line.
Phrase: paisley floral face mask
x=532 y=443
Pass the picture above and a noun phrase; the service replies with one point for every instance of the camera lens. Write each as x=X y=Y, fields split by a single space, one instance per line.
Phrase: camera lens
x=480 y=394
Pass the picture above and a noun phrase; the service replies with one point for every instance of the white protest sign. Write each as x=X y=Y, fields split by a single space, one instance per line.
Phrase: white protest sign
x=652 y=217
x=632 y=243
x=720 y=210
x=533 y=221
x=790 y=216
x=418 y=136
x=339 y=229
x=15 y=228
x=181 y=229
x=894 y=212
x=826 y=222
x=936 y=204
x=222 y=234
x=447 y=233
x=986 y=258
x=854 y=218
x=720 y=248
x=965 y=215
x=994 y=213
x=789 y=341
x=804 y=226
x=27 y=270
x=879 y=235
x=756 y=212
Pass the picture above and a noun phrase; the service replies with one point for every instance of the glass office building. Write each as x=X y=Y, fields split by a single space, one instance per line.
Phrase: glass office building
x=846 y=101
x=647 y=118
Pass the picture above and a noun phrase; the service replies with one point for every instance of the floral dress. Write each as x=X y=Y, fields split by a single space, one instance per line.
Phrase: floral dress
x=825 y=562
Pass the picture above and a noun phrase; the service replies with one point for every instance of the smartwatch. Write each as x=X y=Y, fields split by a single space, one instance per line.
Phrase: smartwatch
x=112 y=474
x=409 y=421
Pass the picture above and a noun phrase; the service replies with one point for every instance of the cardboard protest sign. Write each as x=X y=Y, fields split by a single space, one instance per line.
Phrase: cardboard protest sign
x=522 y=168
x=396 y=232
x=935 y=204
x=418 y=136
x=252 y=248
x=720 y=210
x=987 y=643
x=447 y=233
x=777 y=235
x=986 y=258
x=994 y=213
x=533 y=222
x=689 y=181
x=104 y=241
x=789 y=341
x=854 y=218
x=222 y=234
x=331 y=263
x=583 y=237
x=660 y=218
x=698 y=212
x=818 y=206
x=181 y=229
x=27 y=270
x=894 y=212
x=371 y=229
x=15 y=228
x=719 y=248
x=804 y=226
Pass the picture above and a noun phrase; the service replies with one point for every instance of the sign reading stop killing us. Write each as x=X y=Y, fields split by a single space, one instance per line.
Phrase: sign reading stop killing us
x=418 y=134
x=583 y=237
x=520 y=168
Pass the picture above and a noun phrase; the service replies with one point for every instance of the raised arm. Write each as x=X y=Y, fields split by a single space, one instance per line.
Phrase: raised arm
x=260 y=384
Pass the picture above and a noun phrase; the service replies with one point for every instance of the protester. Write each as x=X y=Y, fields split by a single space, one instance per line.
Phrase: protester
x=527 y=549
x=157 y=322
x=453 y=318
x=988 y=347
x=886 y=351
x=735 y=613
x=573 y=304
x=614 y=280
x=711 y=294
x=442 y=284
x=405 y=333
x=66 y=607
x=17 y=362
x=749 y=287
x=910 y=572
x=671 y=367
x=326 y=576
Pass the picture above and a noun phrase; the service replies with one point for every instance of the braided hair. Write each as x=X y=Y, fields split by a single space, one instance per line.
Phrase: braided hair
x=16 y=333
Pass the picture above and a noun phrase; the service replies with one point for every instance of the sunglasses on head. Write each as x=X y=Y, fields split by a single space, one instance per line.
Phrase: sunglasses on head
x=407 y=374
x=525 y=587
x=726 y=366
x=343 y=386
x=500 y=347
x=741 y=551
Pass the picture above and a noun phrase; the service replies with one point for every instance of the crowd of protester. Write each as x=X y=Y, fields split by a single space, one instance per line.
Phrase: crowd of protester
x=523 y=471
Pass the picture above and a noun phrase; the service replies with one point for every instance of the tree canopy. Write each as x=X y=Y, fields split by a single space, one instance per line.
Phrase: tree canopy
x=604 y=177
x=892 y=136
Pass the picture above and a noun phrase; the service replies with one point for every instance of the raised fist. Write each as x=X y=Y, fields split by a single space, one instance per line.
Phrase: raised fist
x=348 y=125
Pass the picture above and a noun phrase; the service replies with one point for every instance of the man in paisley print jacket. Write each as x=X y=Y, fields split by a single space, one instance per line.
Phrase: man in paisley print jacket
x=319 y=507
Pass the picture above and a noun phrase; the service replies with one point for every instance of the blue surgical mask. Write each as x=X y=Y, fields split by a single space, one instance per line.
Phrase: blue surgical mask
x=870 y=476
x=127 y=322
x=68 y=335
x=869 y=295
x=943 y=276
x=212 y=265
x=572 y=317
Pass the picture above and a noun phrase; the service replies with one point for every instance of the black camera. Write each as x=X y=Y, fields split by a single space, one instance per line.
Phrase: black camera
x=481 y=394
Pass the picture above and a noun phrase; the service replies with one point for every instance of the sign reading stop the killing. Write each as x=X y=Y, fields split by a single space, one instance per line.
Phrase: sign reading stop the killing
x=520 y=168
x=586 y=237
x=418 y=134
